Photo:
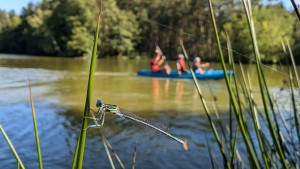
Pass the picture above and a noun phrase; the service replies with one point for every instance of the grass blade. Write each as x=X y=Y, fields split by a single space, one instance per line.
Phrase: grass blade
x=262 y=84
x=226 y=162
x=293 y=63
x=213 y=162
x=114 y=153
x=294 y=107
x=296 y=8
x=232 y=97
x=75 y=153
x=20 y=164
x=253 y=114
x=134 y=157
x=82 y=136
x=37 y=140
x=107 y=153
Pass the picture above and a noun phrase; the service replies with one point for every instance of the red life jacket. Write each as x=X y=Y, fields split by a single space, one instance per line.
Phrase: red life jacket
x=154 y=65
x=181 y=64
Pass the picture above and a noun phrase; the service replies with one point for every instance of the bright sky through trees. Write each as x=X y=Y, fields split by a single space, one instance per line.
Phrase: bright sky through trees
x=17 y=5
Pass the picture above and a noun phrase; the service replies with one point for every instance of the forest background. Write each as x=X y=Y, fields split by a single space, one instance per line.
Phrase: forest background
x=133 y=28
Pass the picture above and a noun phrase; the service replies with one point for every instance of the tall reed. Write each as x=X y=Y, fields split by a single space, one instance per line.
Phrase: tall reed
x=212 y=125
x=107 y=152
x=262 y=84
x=233 y=100
x=37 y=140
x=275 y=151
x=113 y=151
x=12 y=148
x=79 y=152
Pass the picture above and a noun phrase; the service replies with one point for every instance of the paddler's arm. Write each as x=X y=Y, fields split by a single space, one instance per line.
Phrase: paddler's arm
x=163 y=58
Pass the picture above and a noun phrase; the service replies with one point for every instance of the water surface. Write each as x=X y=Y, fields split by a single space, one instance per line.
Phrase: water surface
x=59 y=90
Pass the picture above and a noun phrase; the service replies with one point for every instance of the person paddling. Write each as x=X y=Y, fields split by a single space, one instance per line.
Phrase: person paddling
x=180 y=64
x=198 y=67
x=157 y=61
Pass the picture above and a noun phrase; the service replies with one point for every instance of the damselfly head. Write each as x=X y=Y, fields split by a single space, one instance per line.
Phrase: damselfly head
x=99 y=103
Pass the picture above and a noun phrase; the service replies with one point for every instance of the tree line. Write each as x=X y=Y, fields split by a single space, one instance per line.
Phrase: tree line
x=133 y=28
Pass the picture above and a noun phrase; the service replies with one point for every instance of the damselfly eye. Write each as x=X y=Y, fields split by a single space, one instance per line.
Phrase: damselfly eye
x=99 y=103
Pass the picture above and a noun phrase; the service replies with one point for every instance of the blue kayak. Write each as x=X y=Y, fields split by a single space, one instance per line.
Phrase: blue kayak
x=209 y=74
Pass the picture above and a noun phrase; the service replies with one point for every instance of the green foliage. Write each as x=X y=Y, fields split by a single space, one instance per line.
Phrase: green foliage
x=8 y=20
x=272 y=23
x=296 y=39
x=65 y=28
x=68 y=25
x=120 y=30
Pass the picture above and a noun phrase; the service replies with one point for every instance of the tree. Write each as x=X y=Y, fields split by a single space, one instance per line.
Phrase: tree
x=68 y=25
x=269 y=32
x=119 y=32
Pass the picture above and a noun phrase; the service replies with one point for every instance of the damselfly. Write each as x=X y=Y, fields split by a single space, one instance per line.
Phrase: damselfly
x=99 y=117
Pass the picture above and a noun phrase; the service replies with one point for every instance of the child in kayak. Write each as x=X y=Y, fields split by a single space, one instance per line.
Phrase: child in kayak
x=180 y=64
x=157 y=61
x=198 y=67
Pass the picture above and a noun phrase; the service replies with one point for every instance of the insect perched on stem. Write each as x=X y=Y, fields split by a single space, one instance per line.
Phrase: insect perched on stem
x=99 y=117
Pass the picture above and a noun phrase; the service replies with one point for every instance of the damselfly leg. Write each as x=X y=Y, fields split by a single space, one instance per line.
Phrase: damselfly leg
x=98 y=117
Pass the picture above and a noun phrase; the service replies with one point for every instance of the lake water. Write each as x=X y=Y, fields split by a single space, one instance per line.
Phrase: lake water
x=59 y=91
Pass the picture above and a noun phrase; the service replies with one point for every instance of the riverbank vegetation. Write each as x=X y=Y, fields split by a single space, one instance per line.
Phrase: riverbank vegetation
x=132 y=28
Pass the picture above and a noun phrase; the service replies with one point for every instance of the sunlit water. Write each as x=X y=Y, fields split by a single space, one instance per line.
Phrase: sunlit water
x=59 y=90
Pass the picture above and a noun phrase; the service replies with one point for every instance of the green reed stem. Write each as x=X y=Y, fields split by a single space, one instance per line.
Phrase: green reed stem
x=234 y=139
x=107 y=152
x=294 y=107
x=296 y=8
x=114 y=153
x=294 y=65
x=75 y=154
x=82 y=137
x=231 y=60
x=134 y=157
x=226 y=164
x=220 y=123
x=37 y=140
x=254 y=118
x=232 y=97
x=213 y=162
x=262 y=84
x=12 y=148
x=233 y=150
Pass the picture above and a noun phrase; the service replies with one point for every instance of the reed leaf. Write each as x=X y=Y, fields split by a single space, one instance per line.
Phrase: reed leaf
x=232 y=97
x=296 y=8
x=212 y=125
x=219 y=121
x=262 y=84
x=107 y=152
x=221 y=124
x=134 y=157
x=37 y=140
x=254 y=117
x=293 y=64
x=12 y=148
x=296 y=118
x=114 y=153
x=82 y=137
x=75 y=154
x=231 y=60
x=213 y=162
x=233 y=150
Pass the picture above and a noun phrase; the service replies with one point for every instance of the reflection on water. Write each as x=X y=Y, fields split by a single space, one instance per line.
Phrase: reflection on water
x=59 y=86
